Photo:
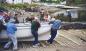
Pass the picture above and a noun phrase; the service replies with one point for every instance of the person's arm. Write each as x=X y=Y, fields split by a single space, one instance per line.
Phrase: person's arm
x=60 y=24
x=51 y=22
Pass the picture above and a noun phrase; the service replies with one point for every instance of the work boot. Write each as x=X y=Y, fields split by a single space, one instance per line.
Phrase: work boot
x=36 y=45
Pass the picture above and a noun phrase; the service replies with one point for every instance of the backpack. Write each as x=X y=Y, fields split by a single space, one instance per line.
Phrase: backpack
x=38 y=24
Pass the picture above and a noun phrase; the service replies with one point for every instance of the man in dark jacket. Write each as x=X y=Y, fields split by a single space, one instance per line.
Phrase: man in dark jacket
x=34 y=30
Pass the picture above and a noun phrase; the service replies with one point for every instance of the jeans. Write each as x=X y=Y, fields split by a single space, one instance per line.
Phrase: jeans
x=13 y=40
x=35 y=34
x=53 y=35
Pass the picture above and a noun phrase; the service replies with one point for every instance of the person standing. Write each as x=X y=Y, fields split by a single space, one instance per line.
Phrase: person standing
x=34 y=30
x=69 y=16
x=55 y=26
x=47 y=17
x=2 y=21
x=42 y=14
x=16 y=18
x=11 y=28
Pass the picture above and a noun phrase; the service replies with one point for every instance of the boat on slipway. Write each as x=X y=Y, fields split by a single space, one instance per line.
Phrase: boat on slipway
x=23 y=32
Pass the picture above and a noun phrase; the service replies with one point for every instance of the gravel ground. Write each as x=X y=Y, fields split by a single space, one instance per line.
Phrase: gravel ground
x=68 y=40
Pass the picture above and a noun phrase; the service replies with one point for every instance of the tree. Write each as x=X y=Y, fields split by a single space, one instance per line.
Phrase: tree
x=2 y=1
x=70 y=2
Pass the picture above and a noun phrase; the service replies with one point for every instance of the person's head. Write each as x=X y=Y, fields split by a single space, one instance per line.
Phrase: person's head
x=16 y=14
x=36 y=19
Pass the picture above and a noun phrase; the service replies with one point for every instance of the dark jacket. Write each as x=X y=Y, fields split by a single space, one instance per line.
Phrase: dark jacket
x=35 y=25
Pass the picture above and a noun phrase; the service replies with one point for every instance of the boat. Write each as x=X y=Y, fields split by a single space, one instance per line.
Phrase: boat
x=23 y=32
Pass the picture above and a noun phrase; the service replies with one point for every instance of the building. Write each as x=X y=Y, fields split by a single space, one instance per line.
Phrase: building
x=19 y=1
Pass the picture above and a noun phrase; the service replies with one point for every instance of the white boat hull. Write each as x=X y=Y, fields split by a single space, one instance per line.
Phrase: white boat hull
x=24 y=32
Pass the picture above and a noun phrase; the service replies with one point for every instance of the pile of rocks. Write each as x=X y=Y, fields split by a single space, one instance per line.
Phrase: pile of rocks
x=73 y=26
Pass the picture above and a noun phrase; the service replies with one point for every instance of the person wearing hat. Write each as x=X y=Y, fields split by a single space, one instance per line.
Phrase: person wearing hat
x=55 y=26
x=11 y=28
x=34 y=30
